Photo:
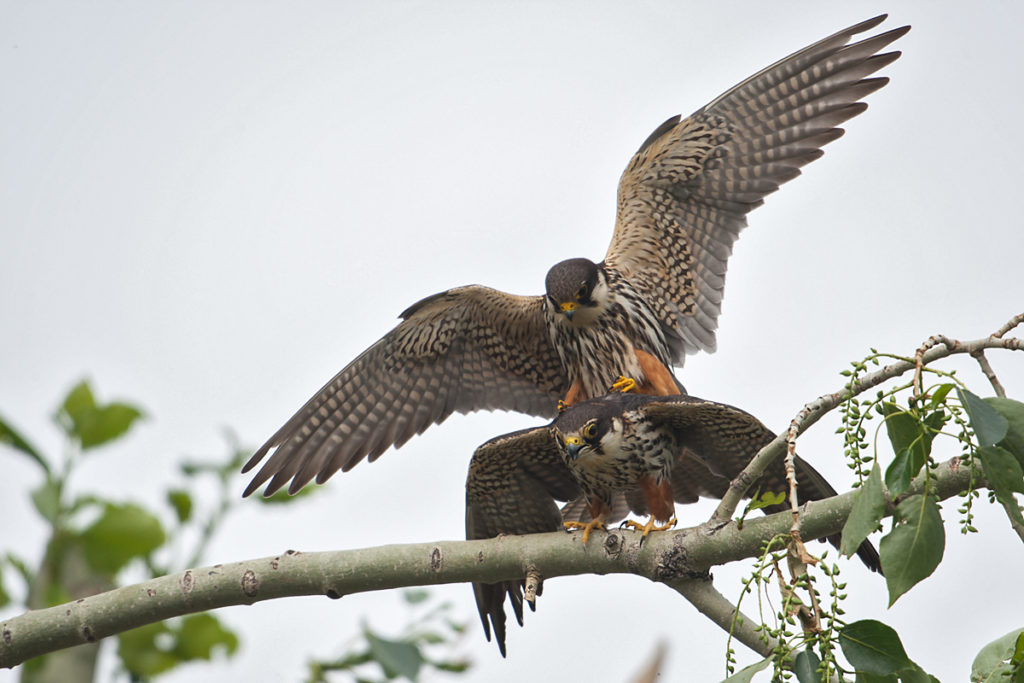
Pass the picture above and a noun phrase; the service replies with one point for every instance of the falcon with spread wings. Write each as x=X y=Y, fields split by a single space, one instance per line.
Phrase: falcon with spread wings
x=682 y=202
x=618 y=453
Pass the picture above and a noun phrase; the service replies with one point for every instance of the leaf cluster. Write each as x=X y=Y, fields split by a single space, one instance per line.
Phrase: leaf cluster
x=990 y=433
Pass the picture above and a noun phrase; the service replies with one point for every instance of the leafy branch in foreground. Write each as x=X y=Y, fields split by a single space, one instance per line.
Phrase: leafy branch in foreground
x=990 y=437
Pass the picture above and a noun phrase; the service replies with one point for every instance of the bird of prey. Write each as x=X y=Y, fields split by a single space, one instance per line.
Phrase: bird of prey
x=656 y=296
x=621 y=446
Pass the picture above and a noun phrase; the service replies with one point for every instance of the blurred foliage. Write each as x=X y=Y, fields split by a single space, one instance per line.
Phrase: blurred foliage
x=94 y=538
x=372 y=658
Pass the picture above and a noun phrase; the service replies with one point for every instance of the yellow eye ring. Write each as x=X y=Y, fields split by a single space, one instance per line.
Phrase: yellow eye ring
x=590 y=430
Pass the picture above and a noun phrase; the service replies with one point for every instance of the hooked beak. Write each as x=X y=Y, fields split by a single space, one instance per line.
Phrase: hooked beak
x=573 y=445
x=569 y=308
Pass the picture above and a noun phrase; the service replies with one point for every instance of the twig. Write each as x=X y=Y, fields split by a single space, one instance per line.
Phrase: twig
x=987 y=370
x=1010 y=324
x=796 y=543
x=533 y=583
x=1017 y=528
x=810 y=618
x=919 y=362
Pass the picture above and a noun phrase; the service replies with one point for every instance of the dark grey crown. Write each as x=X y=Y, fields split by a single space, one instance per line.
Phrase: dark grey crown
x=566 y=279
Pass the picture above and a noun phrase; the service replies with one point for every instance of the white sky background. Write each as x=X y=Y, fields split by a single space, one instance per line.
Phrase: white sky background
x=211 y=208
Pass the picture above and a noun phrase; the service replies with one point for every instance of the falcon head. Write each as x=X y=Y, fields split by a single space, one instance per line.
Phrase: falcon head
x=577 y=289
x=589 y=429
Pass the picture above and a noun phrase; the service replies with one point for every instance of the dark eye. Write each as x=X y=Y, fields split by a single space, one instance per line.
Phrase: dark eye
x=590 y=430
x=582 y=293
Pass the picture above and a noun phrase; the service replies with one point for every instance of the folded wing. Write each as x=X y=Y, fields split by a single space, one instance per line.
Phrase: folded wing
x=511 y=489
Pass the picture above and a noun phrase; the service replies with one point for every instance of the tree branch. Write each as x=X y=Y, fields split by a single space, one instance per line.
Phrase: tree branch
x=932 y=350
x=670 y=557
x=987 y=370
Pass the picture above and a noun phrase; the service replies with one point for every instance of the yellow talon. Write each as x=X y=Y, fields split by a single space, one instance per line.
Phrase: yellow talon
x=587 y=527
x=649 y=526
x=624 y=384
x=562 y=406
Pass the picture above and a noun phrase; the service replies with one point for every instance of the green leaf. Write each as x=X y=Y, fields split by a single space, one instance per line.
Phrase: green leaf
x=989 y=426
x=805 y=666
x=913 y=549
x=181 y=501
x=868 y=510
x=1004 y=476
x=1013 y=412
x=200 y=634
x=78 y=403
x=5 y=597
x=108 y=423
x=873 y=648
x=915 y=674
x=898 y=474
x=939 y=395
x=46 y=499
x=934 y=423
x=122 y=533
x=1001 y=469
x=27 y=575
x=994 y=663
x=911 y=440
x=902 y=427
x=396 y=657
x=415 y=596
x=141 y=653
x=428 y=638
x=157 y=648
x=92 y=424
x=10 y=436
x=872 y=678
x=452 y=666
x=746 y=674
x=85 y=501
x=767 y=499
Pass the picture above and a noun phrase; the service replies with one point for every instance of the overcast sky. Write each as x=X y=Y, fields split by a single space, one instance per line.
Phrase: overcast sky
x=210 y=208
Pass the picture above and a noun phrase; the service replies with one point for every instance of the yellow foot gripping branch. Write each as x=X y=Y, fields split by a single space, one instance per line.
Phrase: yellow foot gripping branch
x=587 y=527
x=649 y=526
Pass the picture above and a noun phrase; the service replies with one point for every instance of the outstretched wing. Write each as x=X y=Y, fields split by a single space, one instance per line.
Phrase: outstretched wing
x=512 y=486
x=721 y=441
x=683 y=198
x=470 y=348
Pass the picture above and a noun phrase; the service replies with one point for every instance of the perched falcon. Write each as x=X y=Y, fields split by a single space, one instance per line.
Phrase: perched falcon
x=682 y=202
x=613 y=448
